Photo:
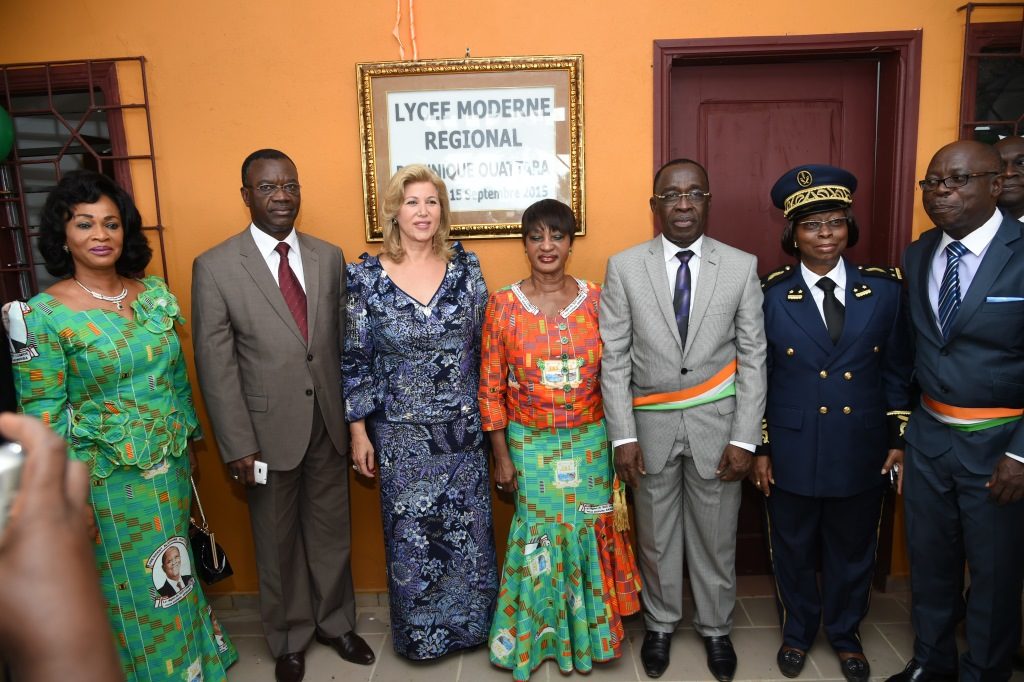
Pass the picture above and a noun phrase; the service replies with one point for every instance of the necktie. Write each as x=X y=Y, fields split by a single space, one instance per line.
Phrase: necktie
x=835 y=313
x=294 y=296
x=949 y=290
x=681 y=298
x=181 y=586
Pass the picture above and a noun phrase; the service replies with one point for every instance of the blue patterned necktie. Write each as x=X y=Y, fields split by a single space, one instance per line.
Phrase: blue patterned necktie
x=949 y=290
x=681 y=299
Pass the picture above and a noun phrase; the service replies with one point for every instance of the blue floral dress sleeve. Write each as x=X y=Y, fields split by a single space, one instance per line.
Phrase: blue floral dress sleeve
x=357 y=359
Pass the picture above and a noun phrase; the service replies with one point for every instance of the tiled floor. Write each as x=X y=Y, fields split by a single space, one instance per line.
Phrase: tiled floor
x=886 y=633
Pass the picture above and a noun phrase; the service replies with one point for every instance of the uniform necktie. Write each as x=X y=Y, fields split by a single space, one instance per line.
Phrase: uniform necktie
x=681 y=298
x=294 y=296
x=949 y=290
x=835 y=313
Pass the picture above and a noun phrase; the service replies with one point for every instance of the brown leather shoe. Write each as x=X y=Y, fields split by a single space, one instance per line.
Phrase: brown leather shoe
x=350 y=647
x=291 y=667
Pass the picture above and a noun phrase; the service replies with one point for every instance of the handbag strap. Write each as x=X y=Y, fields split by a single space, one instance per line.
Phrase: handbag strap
x=199 y=504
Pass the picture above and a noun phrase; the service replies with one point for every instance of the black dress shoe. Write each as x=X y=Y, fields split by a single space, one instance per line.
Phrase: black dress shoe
x=855 y=669
x=654 y=652
x=915 y=673
x=721 y=657
x=291 y=667
x=791 y=661
x=350 y=647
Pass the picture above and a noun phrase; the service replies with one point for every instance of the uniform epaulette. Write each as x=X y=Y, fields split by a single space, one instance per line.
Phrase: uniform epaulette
x=884 y=271
x=776 y=276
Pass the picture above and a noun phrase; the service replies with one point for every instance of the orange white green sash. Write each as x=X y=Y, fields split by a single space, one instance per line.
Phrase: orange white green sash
x=970 y=418
x=722 y=385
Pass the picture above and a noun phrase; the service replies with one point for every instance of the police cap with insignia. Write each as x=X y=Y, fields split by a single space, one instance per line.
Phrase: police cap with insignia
x=813 y=188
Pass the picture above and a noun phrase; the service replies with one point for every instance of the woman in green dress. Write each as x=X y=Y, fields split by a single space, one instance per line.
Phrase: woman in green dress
x=96 y=357
x=569 y=575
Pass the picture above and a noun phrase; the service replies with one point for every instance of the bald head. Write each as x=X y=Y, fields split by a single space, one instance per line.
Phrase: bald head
x=1011 y=151
x=958 y=211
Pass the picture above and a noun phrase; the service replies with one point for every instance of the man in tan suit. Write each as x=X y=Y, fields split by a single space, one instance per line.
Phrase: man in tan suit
x=267 y=310
x=683 y=379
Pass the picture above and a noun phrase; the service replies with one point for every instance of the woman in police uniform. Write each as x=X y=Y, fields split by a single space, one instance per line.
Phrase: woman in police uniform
x=838 y=380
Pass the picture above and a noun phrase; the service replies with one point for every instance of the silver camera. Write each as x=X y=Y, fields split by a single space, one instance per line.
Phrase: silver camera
x=11 y=461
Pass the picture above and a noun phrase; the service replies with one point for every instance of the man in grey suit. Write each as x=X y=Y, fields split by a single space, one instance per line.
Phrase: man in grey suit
x=683 y=378
x=963 y=481
x=267 y=312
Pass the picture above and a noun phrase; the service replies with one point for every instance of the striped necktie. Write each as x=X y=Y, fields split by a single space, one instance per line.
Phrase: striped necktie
x=949 y=290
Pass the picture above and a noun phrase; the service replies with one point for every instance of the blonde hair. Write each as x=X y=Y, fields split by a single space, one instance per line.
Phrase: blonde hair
x=393 y=197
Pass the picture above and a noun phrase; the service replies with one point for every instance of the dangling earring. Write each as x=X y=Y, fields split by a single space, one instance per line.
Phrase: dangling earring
x=66 y=249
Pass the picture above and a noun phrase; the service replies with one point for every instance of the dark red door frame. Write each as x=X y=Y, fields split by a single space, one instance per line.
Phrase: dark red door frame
x=899 y=50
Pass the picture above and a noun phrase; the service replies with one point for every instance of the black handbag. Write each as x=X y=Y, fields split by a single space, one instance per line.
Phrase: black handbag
x=211 y=563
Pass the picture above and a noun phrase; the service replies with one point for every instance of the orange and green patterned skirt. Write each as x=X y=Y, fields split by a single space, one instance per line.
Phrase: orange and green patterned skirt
x=568 y=576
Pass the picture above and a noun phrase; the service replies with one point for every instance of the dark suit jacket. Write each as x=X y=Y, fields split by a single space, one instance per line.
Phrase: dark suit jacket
x=982 y=363
x=840 y=452
x=260 y=380
x=167 y=590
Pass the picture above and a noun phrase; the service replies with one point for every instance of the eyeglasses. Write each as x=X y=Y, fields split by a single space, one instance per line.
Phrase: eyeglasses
x=951 y=182
x=816 y=225
x=266 y=188
x=695 y=196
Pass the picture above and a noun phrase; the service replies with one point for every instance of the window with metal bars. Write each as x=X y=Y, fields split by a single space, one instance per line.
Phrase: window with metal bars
x=66 y=116
x=992 y=90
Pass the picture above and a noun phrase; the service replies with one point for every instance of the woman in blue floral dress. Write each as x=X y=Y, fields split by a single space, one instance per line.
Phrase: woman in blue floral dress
x=410 y=371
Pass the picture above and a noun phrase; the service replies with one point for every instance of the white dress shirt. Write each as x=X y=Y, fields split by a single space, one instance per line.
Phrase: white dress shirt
x=267 y=246
x=836 y=274
x=977 y=243
x=672 y=265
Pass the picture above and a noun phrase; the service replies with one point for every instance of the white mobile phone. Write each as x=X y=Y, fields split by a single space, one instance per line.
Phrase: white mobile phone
x=11 y=461
x=260 y=472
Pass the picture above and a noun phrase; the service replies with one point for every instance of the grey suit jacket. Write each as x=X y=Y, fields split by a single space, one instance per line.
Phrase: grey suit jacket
x=643 y=353
x=258 y=377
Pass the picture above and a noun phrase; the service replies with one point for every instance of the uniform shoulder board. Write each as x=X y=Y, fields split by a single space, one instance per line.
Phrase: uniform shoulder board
x=883 y=271
x=776 y=276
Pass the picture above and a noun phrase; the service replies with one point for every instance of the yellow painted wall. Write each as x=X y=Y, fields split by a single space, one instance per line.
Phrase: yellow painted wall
x=226 y=78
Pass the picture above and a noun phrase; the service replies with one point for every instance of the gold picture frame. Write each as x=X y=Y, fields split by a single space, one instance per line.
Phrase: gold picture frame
x=502 y=132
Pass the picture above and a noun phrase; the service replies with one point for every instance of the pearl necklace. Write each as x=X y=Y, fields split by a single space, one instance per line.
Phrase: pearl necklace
x=116 y=300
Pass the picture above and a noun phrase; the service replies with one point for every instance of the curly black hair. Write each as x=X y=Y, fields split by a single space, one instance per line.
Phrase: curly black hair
x=86 y=187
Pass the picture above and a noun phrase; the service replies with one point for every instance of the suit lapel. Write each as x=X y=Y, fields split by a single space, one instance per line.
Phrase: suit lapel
x=254 y=263
x=806 y=316
x=706 y=280
x=658 y=273
x=310 y=273
x=858 y=310
x=929 y=242
x=991 y=266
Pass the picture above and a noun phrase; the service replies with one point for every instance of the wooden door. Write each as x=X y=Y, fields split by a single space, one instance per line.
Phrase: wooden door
x=750 y=123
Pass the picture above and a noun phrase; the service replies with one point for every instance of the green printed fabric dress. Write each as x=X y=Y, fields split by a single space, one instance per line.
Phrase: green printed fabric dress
x=118 y=391
x=569 y=577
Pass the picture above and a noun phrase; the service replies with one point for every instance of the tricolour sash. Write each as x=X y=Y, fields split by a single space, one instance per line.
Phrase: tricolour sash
x=970 y=418
x=721 y=385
